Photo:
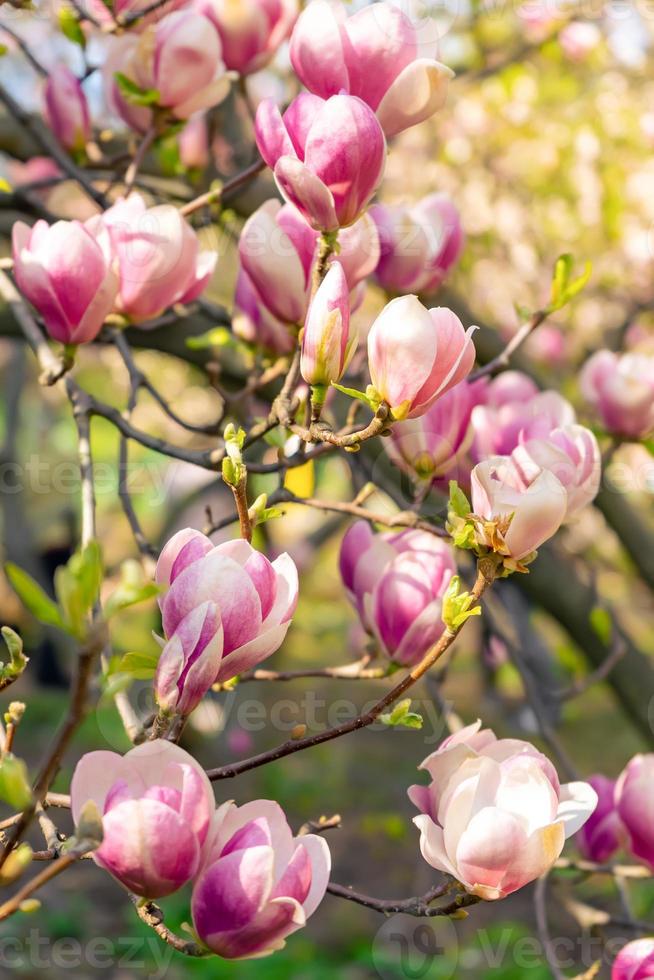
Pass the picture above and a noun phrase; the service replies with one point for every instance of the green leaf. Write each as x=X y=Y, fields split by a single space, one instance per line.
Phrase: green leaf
x=15 y=786
x=457 y=605
x=33 y=597
x=354 y=393
x=131 y=589
x=69 y=26
x=563 y=287
x=139 y=666
x=601 y=623
x=459 y=503
x=216 y=337
x=18 y=661
x=135 y=95
x=401 y=716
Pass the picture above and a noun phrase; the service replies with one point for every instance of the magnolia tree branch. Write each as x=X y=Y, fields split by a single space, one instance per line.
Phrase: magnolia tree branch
x=487 y=569
x=420 y=906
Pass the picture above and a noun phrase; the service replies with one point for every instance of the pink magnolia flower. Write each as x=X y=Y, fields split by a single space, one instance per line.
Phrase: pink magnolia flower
x=419 y=244
x=66 y=109
x=193 y=142
x=64 y=272
x=328 y=157
x=494 y=814
x=158 y=256
x=156 y=804
x=634 y=800
x=397 y=583
x=251 y=30
x=514 y=410
x=527 y=510
x=327 y=343
x=415 y=355
x=253 y=322
x=432 y=446
x=572 y=454
x=635 y=961
x=602 y=834
x=179 y=57
x=258 y=883
x=190 y=660
x=620 y=387
x=278 y=251
x=578 y=39
x=375 y=55
x=256 y=598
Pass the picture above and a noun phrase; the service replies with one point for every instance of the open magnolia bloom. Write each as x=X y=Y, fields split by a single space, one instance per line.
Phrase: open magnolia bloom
x=156 y=805
x=635 y=961
x=258 y=884
x=495 y=816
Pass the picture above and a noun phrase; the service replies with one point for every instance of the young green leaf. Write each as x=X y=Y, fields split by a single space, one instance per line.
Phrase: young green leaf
x=33 y=597
x=132 y=93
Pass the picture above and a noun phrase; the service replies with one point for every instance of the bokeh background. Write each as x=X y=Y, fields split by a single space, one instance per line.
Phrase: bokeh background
x=546 y=146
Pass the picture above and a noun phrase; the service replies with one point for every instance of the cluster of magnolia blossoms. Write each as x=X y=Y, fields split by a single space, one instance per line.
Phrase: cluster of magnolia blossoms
x=130 y=260
x=225 y=609
x=494 y=814
x=253 y=882
x=397 y=583
x=623 y=818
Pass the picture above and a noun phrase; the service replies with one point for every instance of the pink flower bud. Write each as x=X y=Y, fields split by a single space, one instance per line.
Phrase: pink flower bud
x=190 y=660
x=602 y=834
x=620 y=387
x=327 y=344
x=494 y=815
x=278 y=249
x=158 y=256
x=250 y=31
x=415 y=355
x=193 y=142
x=64 y=272
x=328 y=157
x=634 y=799
x=419 y=245
x=179 y=57
x=572 y=455
x=374 y=54
x=434 y=444
x=635 y=961
x=258 y=883
x=66 y=109
x=397 y=583
x=256 y=598
x=156 y=804
x=528 y=510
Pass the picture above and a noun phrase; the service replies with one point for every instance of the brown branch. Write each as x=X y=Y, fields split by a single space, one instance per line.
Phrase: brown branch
x=418 y=905
x=486 y=573
x=152 y=915
x=42 y=878
x=219 y=193
x=503 y=360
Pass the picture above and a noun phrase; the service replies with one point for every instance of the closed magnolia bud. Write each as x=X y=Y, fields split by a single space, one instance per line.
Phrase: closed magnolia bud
x=620 y=387
x=634 y=800
x=250 y=30
x=179 y=57
x=602 y=834
x=518 y=514
x=66 y=109
x=516 y=816
x=573 y=455
x=256 y=598
x=67 y=276
x=635 y=961
x=375 y=55
x=156 y=804
x=190 y=660
x=326 y=342
x=397 y=583
x=258 y=883
x=415 y=355
x=419 y=245
x=157 y=254
x=328 y=157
